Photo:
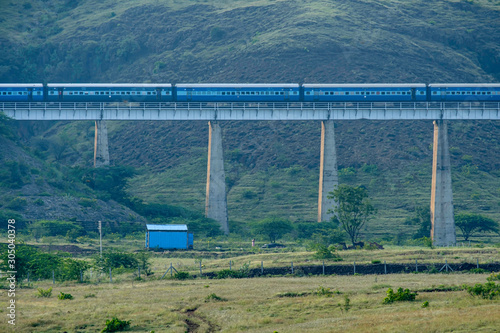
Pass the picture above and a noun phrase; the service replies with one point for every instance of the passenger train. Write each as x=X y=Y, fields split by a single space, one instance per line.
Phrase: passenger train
x=220 y=92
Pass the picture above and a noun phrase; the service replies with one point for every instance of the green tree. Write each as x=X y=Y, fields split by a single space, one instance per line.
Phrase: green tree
x=469 y=224
x=422 y=218
x=273 y=227
x=353 y=209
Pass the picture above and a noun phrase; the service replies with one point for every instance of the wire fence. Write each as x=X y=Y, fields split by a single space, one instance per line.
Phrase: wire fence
x=198 y=270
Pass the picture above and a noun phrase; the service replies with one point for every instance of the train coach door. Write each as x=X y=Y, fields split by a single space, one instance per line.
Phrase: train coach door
x=189 y=94
x=316 y=95
x=287 y=95
x=443 y=94
x=413 y=95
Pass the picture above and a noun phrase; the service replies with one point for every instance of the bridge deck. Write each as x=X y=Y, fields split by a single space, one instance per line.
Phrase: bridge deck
x=251 y=111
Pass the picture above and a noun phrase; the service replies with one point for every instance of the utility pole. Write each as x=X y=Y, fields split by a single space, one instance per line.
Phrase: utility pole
x=100 y=238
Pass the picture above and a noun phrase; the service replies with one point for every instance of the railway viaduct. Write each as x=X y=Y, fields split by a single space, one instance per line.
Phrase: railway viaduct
x=441 y=203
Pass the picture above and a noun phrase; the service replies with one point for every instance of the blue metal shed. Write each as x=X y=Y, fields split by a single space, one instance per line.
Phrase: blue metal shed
x=168 y=236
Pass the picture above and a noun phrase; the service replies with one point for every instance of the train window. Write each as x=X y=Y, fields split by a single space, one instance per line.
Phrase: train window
x=223 y=93
x=383 y=92
x=128 y=92
x=308 y=93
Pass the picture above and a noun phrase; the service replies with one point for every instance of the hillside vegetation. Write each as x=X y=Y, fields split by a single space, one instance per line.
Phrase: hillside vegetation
x=271 y=167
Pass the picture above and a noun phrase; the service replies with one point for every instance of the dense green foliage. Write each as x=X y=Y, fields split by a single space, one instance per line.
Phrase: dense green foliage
x=421 y=218
x=115 y=325
x=41 y=264
x=353 y=209
x=470 y=224
x=63 y=296
x=44 y=228
x=44 y=292
x=273 y=228
x=488 y=290
x=116 y=259
x=400 y=295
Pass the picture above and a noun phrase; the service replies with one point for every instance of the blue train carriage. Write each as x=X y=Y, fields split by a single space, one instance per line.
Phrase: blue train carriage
x=110 y=92
x=455 y=92
x=25 y=92
x=227 y=92
x=364 y=92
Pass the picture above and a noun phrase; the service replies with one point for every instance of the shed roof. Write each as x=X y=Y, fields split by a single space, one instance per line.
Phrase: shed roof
x=166 y=227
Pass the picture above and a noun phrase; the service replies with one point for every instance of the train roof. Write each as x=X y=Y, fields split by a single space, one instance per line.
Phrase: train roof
x=21 y=85
x=237 y=85
x=364 y=85
x=465 y=85
x=109 y=85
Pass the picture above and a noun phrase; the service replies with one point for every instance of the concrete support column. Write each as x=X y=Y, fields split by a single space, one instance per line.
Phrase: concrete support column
x=442 y=218
x=101 y=151
x=216 y=202
x=328 y=174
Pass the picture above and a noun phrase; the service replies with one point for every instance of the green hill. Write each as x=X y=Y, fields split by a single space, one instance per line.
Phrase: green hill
x=272 y=167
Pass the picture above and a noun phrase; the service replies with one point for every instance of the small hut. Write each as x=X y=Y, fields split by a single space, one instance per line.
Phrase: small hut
x=168 y=236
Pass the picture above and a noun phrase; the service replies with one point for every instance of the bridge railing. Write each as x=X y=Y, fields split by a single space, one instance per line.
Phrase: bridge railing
x=250 y=111
x=250 y=105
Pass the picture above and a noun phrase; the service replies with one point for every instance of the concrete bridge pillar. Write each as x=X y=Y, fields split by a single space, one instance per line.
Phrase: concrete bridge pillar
x=442 y=218
x=328 y=174
x=101 y=151
x=216 y=202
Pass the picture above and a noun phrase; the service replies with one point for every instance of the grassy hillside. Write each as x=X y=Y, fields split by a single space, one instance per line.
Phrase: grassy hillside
x=272 y=167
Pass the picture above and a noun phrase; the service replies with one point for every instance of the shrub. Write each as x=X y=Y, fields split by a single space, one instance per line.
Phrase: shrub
x=116 y=259
x=44 y=293
x=322 y=291
x=324 y=252
x=115 y=325
x=227 y=273
x=489 y=290
x=347 y=304
x=17 y=203
x=63 y=296
x=214 y=297
x=400 y=295
x=182 y=276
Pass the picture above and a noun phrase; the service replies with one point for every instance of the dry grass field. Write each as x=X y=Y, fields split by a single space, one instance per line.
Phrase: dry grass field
x=261 y=305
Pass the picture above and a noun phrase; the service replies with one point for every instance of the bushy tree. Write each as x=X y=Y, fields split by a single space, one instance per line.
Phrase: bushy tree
x=41 y=264
x=470 y=224
x=353 y=209
x=422 y=218
x=273 y=227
